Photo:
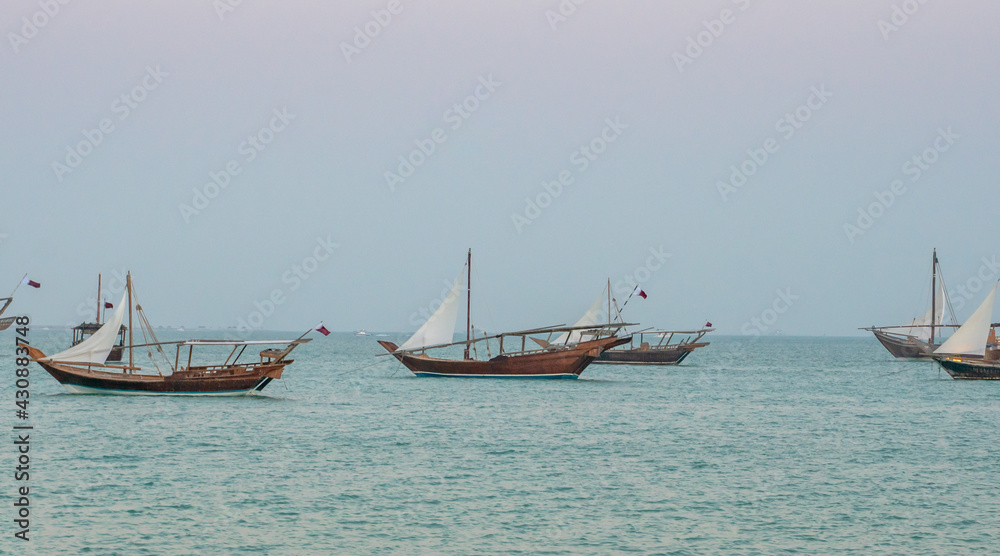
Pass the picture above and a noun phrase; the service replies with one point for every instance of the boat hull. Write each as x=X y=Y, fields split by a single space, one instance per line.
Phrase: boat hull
x=555 y=364
x=77 y=389
x=241 y=381
x=671 y=355
x=964 y=369
x=903 y=347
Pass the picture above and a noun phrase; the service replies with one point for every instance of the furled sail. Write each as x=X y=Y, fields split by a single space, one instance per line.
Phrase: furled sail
x=96 y=348
x=589 y=318
x=971 y=338
x=440 y=328
x=920 y=327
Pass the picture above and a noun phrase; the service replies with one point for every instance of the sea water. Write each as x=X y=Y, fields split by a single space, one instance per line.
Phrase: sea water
x=752 y=446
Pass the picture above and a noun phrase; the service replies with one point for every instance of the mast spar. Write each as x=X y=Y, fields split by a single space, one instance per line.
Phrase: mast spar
x=468 y=306
x=609 y=301
x=18 y=285
x=98 y=299
x=128 y=284
x=934 y=264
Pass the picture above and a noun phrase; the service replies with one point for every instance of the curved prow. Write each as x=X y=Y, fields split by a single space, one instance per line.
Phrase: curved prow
x=389 y=346
x=34 y=353
x=617 y=342
x=606 y=344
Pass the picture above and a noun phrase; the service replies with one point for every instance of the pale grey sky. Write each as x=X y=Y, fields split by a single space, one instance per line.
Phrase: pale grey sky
x=117 y=115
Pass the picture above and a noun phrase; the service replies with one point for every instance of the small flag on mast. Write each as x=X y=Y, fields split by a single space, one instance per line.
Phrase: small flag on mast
x=109 y=305
x=31 y=283
x=708 y=324
x=639 y=292
x=322 y=329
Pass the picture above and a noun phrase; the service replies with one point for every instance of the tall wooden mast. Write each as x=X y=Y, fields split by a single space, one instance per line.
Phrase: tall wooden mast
x=468 y=306
x=933 y=293
x=98 y=299
x=128 y=284
x=609 y=301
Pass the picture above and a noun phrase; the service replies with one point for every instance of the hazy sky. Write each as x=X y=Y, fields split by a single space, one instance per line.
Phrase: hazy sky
x=117 y=115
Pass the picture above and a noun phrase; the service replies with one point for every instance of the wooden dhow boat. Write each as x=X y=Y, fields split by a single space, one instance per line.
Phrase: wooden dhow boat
x=5 y=322
x=660 y=349
x=85 y=330
x=646 y=347
x=513 y=358
x=83 y=368
x=921 y=337
x=971 y=353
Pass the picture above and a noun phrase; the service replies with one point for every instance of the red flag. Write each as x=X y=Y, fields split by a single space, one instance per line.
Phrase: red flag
x=708 y=325
x=641 y=293
x=109 y=305
x=322 y=330
x=31 y=283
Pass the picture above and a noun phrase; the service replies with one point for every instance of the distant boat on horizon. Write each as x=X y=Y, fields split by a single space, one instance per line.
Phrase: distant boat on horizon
x=550 y=360
x=921 y=336
x=361 y=333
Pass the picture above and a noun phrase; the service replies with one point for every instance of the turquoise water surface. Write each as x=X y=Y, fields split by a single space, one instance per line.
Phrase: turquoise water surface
x=753 y=446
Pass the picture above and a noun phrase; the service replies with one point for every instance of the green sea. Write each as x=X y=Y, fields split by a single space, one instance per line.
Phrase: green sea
x=753 y=446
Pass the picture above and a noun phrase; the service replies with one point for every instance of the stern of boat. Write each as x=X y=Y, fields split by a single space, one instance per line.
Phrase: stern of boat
x=275 y=372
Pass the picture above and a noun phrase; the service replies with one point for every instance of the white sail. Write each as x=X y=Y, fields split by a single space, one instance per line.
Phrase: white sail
x=440 y=328
x=971 y=338
x=919 y=327
x=939 y=304
x=96 y=348
x=588 y=319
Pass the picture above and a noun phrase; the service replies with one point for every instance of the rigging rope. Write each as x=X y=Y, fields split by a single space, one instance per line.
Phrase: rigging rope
x=489 y=311
x=947 y=297
x=365 y=367
x=145 y=327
